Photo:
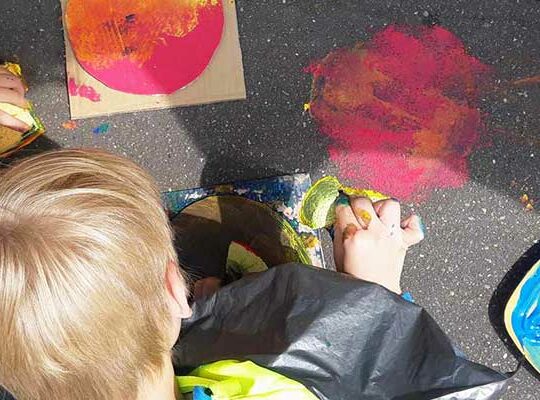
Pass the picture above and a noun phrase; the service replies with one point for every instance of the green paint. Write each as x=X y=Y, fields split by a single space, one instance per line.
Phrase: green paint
x=242 y=260
x=318 y=209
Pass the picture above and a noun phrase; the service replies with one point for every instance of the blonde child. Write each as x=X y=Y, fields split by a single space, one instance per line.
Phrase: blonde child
x=91 y=296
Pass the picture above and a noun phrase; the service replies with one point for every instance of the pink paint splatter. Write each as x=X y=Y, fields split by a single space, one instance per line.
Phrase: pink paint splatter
x=85 y=91
x=401 y=110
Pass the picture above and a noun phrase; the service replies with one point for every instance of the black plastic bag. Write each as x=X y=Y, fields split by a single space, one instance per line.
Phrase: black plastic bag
x=341 y=337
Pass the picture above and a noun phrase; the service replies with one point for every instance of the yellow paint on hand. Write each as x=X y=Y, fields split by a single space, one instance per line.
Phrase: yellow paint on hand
x=318 y=208
x=364 y=215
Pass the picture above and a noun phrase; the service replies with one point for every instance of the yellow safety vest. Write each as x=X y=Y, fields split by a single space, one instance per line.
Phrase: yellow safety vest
x=232 y=380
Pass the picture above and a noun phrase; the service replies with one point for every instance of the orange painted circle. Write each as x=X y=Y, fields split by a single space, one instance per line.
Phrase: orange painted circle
x=144 y=47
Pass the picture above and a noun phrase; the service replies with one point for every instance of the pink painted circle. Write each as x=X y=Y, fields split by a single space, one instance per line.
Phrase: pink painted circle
x=151 y=47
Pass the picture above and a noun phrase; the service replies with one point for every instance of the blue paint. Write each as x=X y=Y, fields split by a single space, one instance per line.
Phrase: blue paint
x=423 y=227
x=278 y=191
x=199 y=393
x=407 y=296
x=343 y=200
x=101 y=129
x=526 y=316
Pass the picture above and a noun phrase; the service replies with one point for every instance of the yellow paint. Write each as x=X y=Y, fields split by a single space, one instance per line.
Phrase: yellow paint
x=364 y=215
x=16 y=70
x=310 y=241
x=318 y=206
x=373 y=195
x=224 y=189
x=9 y=138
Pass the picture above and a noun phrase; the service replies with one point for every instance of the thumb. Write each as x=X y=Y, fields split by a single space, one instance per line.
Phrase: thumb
x=413 y=230
x=12 y=122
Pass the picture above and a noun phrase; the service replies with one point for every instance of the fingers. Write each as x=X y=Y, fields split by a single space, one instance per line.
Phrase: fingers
x=346 y=222
x=365 y=213
x=346 y=225
x=345 y=215
x=12 y=91
x=13 y=97
x=10 y=81
x=413 y=230
x=12 y=122
x=389 y=212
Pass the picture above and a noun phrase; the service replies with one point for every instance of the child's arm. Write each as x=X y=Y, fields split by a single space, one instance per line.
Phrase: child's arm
x=12 y=91
x=371 y=240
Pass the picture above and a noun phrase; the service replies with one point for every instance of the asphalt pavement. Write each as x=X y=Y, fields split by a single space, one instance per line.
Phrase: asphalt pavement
x=475 y=235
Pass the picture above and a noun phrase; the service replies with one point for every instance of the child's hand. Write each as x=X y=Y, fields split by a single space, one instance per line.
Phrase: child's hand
x=11 y=91
x=371 y=240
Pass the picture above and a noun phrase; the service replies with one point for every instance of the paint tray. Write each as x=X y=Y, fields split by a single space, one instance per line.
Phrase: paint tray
x=264 y=214
x=522 y=316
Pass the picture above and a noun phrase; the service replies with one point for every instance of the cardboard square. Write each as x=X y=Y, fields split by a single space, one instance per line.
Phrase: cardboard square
x=222 y=80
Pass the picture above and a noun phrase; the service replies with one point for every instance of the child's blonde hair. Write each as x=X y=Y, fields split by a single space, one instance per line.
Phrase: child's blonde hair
x=84 y=246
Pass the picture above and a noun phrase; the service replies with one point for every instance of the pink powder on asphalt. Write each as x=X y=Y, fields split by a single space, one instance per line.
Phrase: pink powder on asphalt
x=401 y=110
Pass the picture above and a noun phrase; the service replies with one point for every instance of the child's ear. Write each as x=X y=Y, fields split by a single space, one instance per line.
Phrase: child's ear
x=176 y=289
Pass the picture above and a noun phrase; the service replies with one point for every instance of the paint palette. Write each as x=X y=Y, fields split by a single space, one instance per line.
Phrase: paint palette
x=263 y=214
x=522 y=316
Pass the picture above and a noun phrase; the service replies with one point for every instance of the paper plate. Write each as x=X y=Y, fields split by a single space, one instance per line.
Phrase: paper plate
x=522 y=316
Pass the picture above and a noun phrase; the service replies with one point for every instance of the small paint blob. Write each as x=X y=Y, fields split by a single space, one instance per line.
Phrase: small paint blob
x=408 y=297
x=349 y=232
x=527 y=202
x=310 y=241
x=70 y=125
x=343 y=200
x=401 y=110
x=88 y=92
x=101 y=129
x=364 y=215
x=422 y=227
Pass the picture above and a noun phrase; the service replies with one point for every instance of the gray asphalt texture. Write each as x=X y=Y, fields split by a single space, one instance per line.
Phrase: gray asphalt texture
x=475 y=234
